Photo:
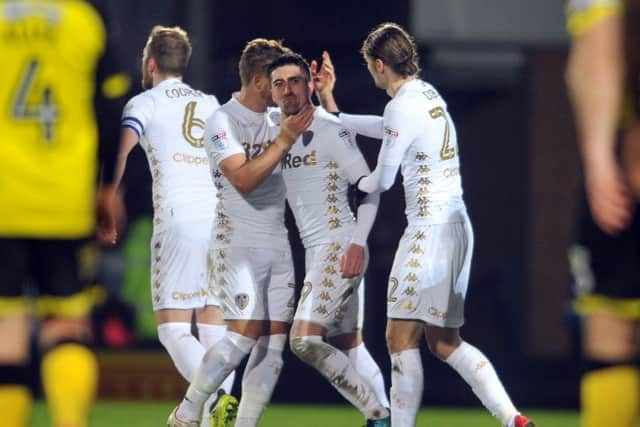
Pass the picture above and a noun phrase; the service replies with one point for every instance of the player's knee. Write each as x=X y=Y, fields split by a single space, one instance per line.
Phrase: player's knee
x=442 y=347
x=56 y=330
x=400 y=342
x=170 y=333
x=305 y=348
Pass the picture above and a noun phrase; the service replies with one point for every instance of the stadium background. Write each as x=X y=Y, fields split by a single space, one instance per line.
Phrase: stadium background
x=499 y=64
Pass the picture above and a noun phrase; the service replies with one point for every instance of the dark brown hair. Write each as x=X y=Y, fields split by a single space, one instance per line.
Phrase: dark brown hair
x=394 y=46
x=291 y=59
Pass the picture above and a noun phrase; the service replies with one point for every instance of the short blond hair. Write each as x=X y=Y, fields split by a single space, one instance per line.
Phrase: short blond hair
x=170 y=47
x=256 y=57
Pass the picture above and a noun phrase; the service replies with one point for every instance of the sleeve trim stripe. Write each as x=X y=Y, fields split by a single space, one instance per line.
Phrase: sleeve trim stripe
x=133 y=119
x=580 y=22
x=135 y=129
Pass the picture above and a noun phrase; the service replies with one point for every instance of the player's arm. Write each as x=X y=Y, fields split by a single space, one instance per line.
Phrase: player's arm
x=353 y=260
x=397 y=138
x=595 y=79
x=245 y=174
x=108 y=231
x=324 y=81
x=345 y=153
x=128 y=140
x=113 y=85
x=135 y=116
x=370 y=126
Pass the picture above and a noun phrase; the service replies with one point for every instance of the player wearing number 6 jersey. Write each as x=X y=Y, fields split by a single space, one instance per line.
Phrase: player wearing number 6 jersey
x=168 y=122
x=430 y=272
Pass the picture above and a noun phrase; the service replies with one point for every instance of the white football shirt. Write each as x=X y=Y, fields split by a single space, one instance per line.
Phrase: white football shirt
x=317 y=172
x=420 y=137
x=255 y=219
x=169 y=121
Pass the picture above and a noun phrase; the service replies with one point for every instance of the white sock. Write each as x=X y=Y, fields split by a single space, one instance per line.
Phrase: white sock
x=185 y=350
x=407 y=383
x=209 y=335
x=478 y=372
x=336 y=367
x=260 y=377
x=217 y=364
x=368 y=369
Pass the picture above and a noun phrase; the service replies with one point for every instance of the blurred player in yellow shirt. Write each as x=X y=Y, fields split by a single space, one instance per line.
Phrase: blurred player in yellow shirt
x=56 y=67
x=602 y=76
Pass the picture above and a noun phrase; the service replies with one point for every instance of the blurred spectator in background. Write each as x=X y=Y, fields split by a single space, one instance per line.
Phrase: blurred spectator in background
x=58 y=72
x=602 y=77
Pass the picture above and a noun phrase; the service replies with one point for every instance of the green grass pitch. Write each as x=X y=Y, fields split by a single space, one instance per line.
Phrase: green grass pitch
x=154 y=414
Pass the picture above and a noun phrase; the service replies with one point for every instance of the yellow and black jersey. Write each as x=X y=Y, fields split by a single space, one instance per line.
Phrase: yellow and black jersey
x=584 y=14
x=55 y=62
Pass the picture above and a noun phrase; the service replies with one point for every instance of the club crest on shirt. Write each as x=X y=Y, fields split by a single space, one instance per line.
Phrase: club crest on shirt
x=275 y=117
x=242 y=300
x=307 y=136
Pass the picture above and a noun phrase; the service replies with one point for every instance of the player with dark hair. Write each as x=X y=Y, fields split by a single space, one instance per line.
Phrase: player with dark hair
x=317 y=173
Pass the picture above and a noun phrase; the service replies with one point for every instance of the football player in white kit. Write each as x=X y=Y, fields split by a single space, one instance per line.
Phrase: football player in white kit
x=254 y=276
x=430 y=273
x=167 y=121
x=317 y=172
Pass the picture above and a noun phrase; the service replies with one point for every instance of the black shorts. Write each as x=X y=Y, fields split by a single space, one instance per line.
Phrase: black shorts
x=42 y=267
x=609 y=265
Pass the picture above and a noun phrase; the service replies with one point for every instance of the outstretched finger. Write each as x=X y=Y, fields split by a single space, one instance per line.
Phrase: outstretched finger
x=326 y=59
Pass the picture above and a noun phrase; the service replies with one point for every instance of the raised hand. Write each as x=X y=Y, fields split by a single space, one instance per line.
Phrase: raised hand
x=324 y=81
x=324 y=76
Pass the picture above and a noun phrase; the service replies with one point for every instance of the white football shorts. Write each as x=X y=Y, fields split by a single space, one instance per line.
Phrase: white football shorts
x=253 y=283
x=179 y=273
x=326 y=298
x=430 y=274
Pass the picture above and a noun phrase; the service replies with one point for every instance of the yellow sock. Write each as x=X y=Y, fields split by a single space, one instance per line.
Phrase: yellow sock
x=610 y=397
x=70 y=378
x=15 y=405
